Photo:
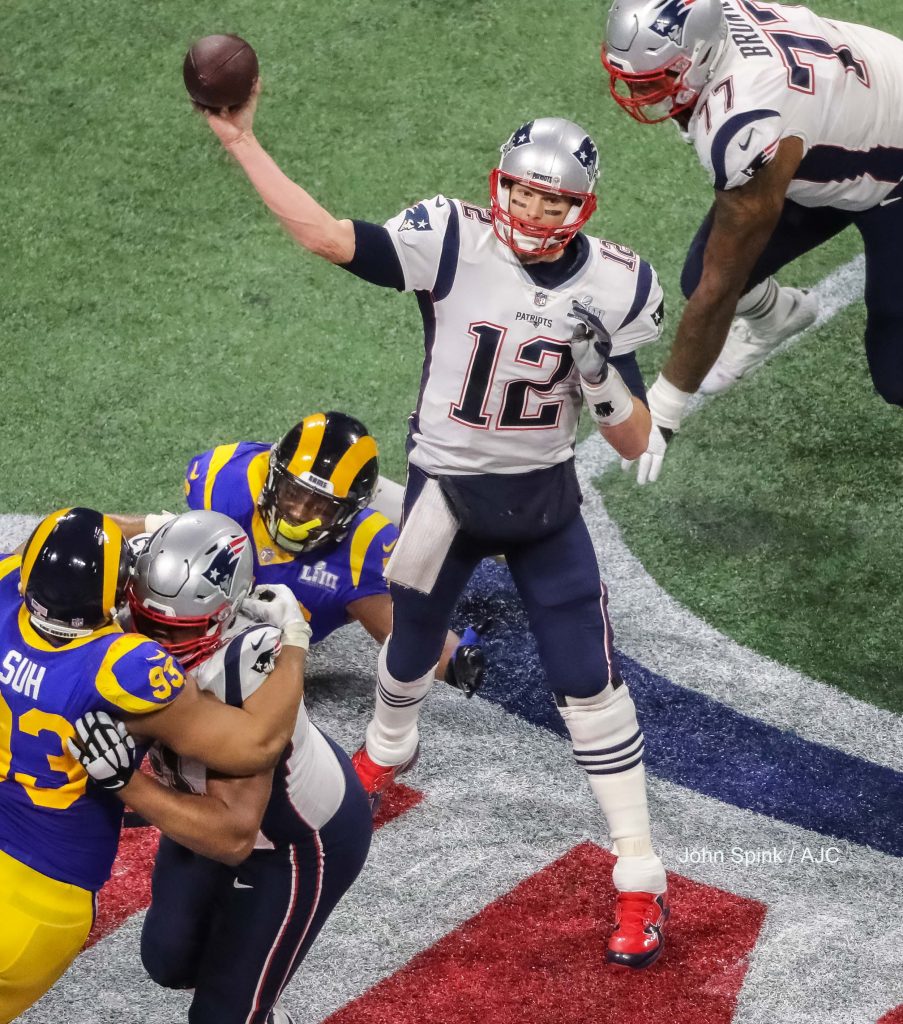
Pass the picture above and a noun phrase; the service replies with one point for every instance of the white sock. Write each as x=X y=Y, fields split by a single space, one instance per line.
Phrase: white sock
x=767 y=307
x=392 y=733
x=608 y=745
x=759 y=300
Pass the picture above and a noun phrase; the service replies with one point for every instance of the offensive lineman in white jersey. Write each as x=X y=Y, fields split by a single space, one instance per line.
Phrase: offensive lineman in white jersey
x=524 y=317
x=797 y=120
x=248 y=869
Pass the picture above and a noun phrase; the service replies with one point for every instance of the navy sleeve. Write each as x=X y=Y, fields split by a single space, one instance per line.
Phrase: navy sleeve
x=375 y=259
x=629 y=370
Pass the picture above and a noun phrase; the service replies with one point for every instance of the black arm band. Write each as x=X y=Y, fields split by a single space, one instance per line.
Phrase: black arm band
x=629 y=370
x=375 y=259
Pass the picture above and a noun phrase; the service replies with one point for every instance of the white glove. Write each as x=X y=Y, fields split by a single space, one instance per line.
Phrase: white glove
x=154 y=521
x=667 y=405
x=649 y=464
x=276 y=604
x=106 y=750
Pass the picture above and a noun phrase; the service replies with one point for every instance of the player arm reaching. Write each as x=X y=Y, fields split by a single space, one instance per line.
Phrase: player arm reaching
x=302 y=216
x=247 y=740
x=221 y=824
x=744 y=220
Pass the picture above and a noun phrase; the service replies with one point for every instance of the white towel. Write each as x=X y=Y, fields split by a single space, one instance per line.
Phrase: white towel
x=424 y=542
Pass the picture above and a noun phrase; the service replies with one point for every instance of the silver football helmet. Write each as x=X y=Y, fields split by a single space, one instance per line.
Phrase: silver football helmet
x=553 y=155
x=660 y=53
x=189 y=581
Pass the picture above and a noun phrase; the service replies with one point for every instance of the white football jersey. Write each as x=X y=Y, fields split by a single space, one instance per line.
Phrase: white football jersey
x=499 y=391
x=787 y=72
x=310 y=776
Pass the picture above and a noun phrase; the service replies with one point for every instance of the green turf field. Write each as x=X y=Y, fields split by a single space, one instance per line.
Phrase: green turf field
x=151 y=307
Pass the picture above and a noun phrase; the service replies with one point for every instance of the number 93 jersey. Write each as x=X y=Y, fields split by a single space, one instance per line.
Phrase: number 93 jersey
x=787 y=72
x=499 y=391
x=50 y=819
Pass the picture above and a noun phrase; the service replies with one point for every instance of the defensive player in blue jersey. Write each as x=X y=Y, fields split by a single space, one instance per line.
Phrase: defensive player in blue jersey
x=304 y=502
x=249 y=869
x=62 y=656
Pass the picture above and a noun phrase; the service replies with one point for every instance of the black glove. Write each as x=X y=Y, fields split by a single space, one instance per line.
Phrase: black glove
x=467 y=665
x=105 y=749
x=590 y=344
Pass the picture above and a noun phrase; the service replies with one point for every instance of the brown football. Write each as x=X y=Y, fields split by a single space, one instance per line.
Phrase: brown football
x=219 y=71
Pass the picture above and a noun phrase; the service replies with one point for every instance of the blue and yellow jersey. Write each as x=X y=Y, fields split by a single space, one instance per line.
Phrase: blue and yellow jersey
x=229 y=479
x=49 y=818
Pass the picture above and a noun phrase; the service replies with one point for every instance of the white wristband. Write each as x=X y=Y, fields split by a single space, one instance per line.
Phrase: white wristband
x=610 y=402
x=296 y=634
x=667 y=404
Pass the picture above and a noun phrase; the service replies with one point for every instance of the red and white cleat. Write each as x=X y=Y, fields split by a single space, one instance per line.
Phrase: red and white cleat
x=638 y=939
x=376 y=778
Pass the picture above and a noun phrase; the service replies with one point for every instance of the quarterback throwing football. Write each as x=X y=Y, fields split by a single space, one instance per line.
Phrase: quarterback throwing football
x=525 y=317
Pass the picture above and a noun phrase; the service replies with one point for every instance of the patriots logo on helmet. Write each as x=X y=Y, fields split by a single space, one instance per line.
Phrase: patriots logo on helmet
x=416 y=219
x=221 y=570
x=588 y=156
x=521 y=137
x=671 y=20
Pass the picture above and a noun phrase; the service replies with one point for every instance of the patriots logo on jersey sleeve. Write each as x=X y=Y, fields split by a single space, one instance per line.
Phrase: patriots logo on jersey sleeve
x=417 y=218
x=221 y=570
x=672 y=19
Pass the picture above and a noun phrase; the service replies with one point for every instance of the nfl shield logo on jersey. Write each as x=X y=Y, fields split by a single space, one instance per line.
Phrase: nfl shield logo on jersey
x=540 y=298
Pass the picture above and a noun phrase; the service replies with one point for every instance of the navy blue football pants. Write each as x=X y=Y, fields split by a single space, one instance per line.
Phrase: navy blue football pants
x=238 y=934
x=803 y=228
x=557 y=578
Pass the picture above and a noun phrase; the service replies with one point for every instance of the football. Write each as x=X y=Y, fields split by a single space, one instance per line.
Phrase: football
x=219 y=71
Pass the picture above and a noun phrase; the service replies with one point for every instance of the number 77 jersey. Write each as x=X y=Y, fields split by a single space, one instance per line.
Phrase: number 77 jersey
x=787 y=72
x=499 y=391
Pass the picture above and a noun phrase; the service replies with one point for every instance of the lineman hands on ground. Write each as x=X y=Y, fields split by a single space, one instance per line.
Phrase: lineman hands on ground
x=467 y=666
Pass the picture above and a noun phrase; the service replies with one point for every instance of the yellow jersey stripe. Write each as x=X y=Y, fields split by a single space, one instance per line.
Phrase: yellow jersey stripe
x=220 y=457
x=258 y=468
x=351 y=463
x=312 y=430
x=37 y=542
x=360 y=543
x=10 y=564
x=112 y=551
x=108 y=685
